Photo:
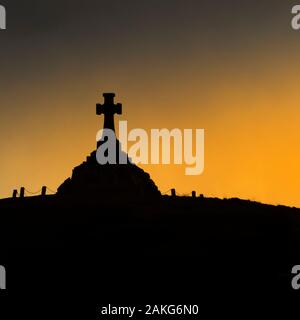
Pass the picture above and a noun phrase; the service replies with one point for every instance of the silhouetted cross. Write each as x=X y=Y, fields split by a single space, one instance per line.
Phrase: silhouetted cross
x=109 y=109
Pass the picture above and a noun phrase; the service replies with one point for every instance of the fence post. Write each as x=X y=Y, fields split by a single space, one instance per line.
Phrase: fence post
x=15 y=193
x=194 y=194
x=44 y=190
x=173 y=192
x=22 y=192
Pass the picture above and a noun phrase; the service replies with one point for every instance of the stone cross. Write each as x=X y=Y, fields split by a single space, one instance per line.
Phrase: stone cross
x=109 y=109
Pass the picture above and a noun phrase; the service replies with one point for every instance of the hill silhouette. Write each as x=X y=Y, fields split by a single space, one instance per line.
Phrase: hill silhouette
x=114 y=215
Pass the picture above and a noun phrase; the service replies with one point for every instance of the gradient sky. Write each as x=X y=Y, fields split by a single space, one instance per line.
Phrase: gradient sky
x=230 y=67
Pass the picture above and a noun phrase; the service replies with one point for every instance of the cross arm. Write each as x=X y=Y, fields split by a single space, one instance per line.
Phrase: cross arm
x=118 y=108
x=99 y=109
x=103 y=108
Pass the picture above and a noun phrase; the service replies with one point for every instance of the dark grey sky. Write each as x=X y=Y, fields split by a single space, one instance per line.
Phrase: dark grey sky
x=61 y=31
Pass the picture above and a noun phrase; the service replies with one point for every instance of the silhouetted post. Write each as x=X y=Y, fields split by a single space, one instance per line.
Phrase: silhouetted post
x=173 y=192
x=194 y=194
x=15 y=193
x=201 y=196
x=22 y=192
x=44 y=190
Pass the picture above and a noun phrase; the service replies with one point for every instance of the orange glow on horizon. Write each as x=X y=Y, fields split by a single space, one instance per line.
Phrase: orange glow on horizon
x=250 y=116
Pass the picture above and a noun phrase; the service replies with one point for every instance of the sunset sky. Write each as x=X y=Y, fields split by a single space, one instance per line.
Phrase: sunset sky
x=230 y=67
